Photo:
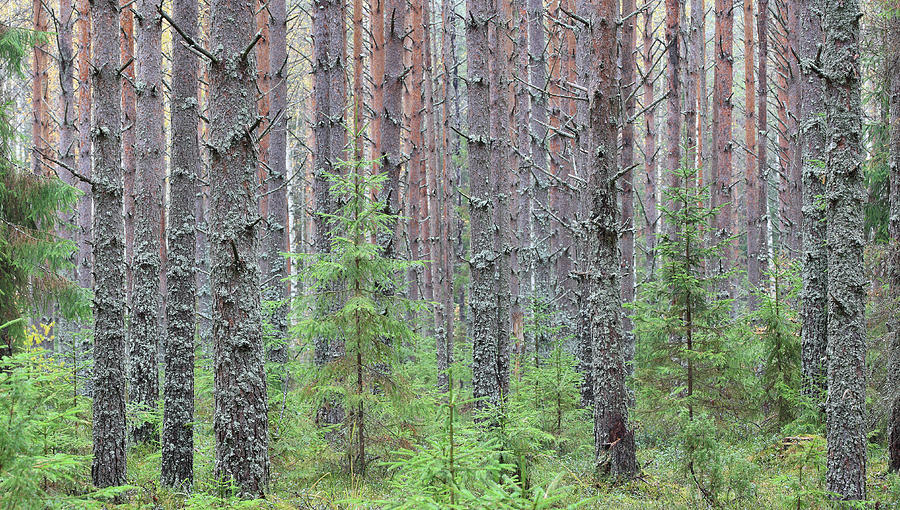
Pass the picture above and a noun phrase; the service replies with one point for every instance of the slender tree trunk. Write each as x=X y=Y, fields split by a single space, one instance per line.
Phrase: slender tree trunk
x=844 y=189
x=626 y=243
x=415 y=191
x=814 y=293
x=330 y=97
x=431 y=168
x=143 y=342
x=893 y=67
x=241 y=421
x=651 y=162
x=276 y=290
x=721 y=169
x=538 y=76
x=67 y=127
x=40 y=94
x=485 y=262
x=750 y=170
x=673 y=101
x=795 y=164
x=376 y=63
x=129 y=113
x=613 y=438
x=501 y=150
x=450 y=145
x=83 y=257
x=178 y=387
x=108 y=466
x=757 y=186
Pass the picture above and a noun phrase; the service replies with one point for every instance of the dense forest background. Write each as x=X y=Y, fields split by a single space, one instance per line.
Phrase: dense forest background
x=445 y=254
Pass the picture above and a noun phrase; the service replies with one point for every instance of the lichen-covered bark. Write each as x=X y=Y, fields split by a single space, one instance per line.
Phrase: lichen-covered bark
x=844 y=192
x=893 y=66
x=108 y=466
x=178 y=387
x=144 y=337
x=275 y=288
x=241 y=421
x=500 y=152
x=814 y=293
x=538 y=76
x=484 y=259
x=613 y=438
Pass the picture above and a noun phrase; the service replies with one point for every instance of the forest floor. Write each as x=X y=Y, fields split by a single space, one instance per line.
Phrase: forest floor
x=773 y=473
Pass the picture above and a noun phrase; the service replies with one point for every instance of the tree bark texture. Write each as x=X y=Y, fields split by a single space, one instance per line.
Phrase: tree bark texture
x=485 y=261
x=241 y=405
x=613 y=438
x=144 y=337
x=108 y=468
x=844 y=192
x=894 y=230
x=721 y=169
x=178 y=387
x=814 y=292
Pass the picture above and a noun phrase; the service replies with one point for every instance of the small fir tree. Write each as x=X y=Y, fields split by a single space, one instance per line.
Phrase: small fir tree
x=33 y=257
x=686 y=370
x=357 y=292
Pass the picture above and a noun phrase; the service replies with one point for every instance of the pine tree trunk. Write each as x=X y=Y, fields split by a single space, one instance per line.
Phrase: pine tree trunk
x=144 y=337
x=893 y=66
x=83 y=257
x=750 y=178
x=651 y=163
x=814 y=293
x=626 y=243
x=129 y=113
x=538 y=76
x=844 y=191
x=67 y=127
x=613 y=439
x=276 y=241
x=108 y=468
x=721 y=170
x=501 y=151
x=241 y=421
x=485 y=260
x=40 y=84
x=757 y=187
x=673 y=101
x=178 y=387
x=376 y=69
x=389 y=138
x=330 y=99
x=450 y=145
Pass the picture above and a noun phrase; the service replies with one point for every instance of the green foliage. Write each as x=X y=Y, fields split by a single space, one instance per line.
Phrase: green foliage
x=549 y=384
x=357 y=301
x=44 y=434
x=778 y=327
x=463 y=468
x=683 y=360
x=33 y=257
